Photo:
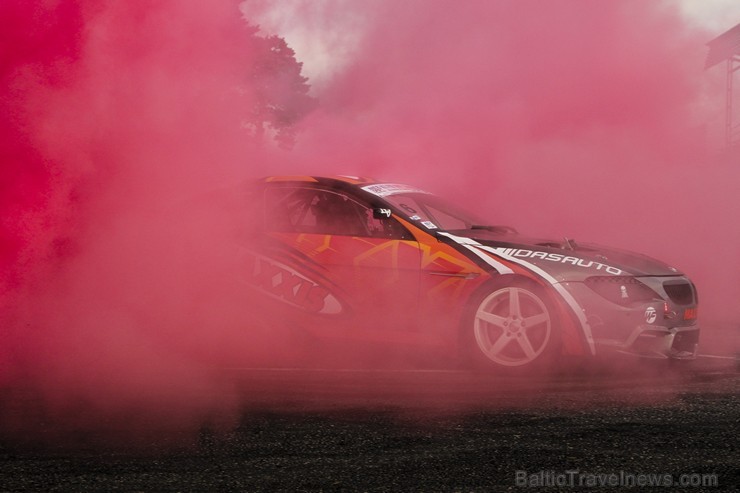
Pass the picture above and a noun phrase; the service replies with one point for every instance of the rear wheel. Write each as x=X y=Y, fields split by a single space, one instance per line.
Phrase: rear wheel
x=511 y=326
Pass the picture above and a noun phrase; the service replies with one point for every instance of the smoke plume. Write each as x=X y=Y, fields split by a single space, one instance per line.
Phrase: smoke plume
x=565 y=117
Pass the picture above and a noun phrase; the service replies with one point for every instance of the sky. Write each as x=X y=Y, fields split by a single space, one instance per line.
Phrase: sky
x=715 y=15
x=314 y=42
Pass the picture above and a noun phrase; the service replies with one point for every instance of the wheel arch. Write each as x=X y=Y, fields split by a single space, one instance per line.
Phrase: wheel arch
x=573 y=339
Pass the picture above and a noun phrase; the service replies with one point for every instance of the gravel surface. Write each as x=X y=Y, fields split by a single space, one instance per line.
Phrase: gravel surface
x=561 y=432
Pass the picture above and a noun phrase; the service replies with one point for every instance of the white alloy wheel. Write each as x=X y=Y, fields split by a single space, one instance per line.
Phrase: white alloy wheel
x=512 y=326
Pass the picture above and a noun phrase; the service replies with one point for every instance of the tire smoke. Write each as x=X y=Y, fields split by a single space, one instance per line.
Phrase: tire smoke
x=561 y=118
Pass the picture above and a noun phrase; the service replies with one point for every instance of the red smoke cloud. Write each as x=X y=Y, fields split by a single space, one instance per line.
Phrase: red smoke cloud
x=112 y=115
x=561 y=117
x=570 y=117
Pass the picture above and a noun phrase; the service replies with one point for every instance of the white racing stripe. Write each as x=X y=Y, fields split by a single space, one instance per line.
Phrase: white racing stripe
x=476 y=248
x=473 y=246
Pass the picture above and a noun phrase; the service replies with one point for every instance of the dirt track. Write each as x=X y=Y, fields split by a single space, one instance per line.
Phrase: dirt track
x=414 y=431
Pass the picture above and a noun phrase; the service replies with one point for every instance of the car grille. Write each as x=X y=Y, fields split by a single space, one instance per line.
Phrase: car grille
x=680 y=292
x=622 y=290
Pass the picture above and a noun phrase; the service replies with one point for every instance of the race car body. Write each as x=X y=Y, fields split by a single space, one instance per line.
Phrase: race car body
x=354 y=258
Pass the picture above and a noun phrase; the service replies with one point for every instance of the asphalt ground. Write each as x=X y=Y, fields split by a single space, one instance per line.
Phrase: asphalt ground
x=345 y=429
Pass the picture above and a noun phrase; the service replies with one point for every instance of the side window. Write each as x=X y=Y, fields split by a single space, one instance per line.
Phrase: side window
x=288 y=209
x=337 y=214
x=309 y=210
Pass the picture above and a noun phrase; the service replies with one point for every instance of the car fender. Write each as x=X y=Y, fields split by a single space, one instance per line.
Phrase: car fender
x=577 y=335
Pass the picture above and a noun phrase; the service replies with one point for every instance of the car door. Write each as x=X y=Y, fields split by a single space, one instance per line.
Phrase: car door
x=357 y=273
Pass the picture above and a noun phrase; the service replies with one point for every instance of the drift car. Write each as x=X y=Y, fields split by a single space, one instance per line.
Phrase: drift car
x=353 y=258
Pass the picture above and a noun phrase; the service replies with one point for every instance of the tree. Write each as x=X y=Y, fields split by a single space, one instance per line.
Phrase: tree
x=279 y=91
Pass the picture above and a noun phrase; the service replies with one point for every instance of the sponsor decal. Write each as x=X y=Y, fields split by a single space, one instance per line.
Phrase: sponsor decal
x=381 y=213
x=650 y=315
x=558 y=258
x=429 y=224
x=414 y=218
x=283 y=283
x=386 y=189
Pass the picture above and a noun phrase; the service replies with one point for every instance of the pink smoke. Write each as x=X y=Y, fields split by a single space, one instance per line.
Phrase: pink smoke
x=114 y=115
x=562 y=117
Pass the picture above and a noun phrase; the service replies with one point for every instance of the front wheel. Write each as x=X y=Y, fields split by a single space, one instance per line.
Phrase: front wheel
x=511 y=326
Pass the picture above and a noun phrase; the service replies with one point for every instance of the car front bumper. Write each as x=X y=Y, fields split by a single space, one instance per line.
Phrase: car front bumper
x=626 y=328
x=678 y=343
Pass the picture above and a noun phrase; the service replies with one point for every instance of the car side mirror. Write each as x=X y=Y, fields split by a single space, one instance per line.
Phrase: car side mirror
x=381 y=213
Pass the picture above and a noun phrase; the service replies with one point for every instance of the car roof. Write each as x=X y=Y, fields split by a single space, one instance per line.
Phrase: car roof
x=324 y=180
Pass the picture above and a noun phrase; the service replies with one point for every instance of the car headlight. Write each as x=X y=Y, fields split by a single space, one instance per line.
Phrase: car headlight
x=622 y=290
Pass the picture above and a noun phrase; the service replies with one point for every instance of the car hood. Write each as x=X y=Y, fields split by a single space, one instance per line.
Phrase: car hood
x=566 y=259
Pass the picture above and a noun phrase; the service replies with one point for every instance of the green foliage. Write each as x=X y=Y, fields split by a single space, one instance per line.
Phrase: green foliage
x=279 y=91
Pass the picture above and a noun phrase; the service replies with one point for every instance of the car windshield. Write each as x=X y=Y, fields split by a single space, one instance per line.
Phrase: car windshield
x=433 y=212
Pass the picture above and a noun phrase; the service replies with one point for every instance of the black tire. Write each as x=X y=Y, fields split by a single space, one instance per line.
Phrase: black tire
x=511 y=327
